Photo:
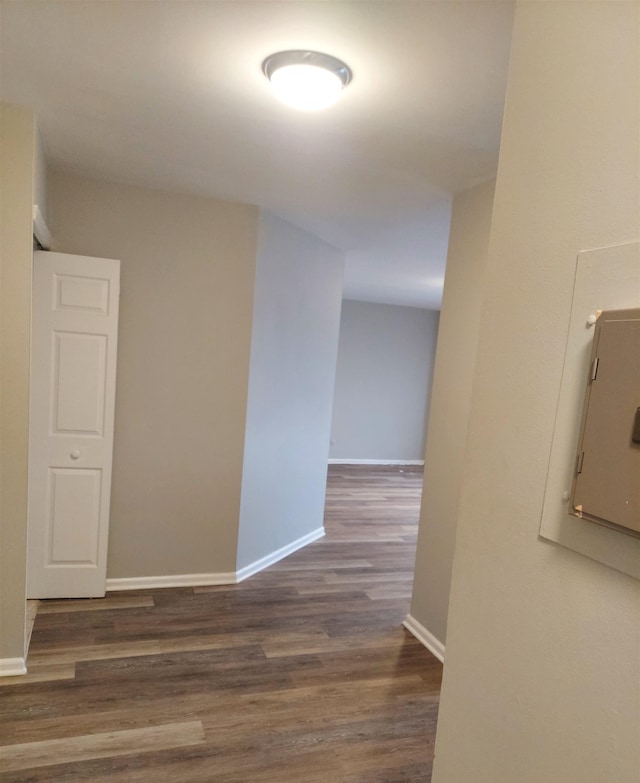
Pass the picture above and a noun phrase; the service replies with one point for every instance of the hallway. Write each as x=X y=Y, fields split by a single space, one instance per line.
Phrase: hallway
x=301 y=673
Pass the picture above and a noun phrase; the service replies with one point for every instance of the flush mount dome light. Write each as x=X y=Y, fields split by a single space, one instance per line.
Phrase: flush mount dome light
x=306 y=80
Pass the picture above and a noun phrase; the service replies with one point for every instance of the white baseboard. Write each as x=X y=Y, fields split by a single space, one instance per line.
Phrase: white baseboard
x=10 y=667
x=279 y=554
x=424 y=636
x=376 y=462
x=172 y=580
x=204 y=580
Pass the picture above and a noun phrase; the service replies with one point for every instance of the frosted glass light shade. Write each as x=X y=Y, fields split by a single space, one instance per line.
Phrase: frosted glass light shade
x=307 y=81
x=306 y=87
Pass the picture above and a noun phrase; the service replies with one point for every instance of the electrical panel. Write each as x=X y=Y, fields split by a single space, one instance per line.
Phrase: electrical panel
x=606 y=488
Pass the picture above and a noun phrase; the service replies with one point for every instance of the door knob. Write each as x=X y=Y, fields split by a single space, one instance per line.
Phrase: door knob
x=75 y=454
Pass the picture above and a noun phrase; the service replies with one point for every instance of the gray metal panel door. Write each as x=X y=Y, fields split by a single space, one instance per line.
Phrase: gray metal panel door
x=607 y=486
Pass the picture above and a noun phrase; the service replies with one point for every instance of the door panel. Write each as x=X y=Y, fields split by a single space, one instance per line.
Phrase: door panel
x=82 y=293
x=607 y=484
x=74 y=341
x=78 y=383
x=73 y=493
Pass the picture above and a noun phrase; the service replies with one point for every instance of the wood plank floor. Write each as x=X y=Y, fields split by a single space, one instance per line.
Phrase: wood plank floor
x=302 y=673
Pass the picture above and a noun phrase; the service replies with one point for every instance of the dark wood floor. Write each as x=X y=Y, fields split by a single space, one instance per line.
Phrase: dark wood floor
x=302 y=673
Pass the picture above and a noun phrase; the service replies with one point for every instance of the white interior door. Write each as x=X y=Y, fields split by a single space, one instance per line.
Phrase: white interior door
x=73 y=374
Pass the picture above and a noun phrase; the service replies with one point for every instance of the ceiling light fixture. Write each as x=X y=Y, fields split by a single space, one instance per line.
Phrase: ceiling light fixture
x=306 y=80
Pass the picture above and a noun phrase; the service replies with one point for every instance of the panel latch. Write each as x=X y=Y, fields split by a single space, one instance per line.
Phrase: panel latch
x=636 y=428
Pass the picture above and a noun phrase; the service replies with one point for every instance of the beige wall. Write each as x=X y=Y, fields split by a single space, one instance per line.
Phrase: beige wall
x=40 y=176
x=450 y=404
x=187 y=281
x=17 y=138
x=542 y=675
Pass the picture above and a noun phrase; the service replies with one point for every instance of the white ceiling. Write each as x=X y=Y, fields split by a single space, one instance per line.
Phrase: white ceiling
x=170 y=94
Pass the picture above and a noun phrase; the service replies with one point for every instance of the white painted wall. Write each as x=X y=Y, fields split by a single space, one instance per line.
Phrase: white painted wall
x=383 y=381
x=450 y=405
x=294 y=345
x=542 y=681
